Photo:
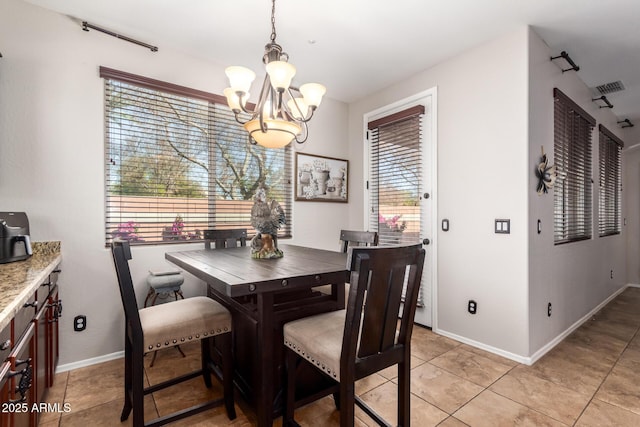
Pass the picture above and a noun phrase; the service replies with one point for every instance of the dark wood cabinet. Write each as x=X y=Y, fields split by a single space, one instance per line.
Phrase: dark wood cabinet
x=29 y=351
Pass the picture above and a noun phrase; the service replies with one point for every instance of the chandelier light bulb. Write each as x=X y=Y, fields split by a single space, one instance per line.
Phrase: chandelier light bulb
x=234 y=100
x=240 y=78
x=313 y=93
x=280 y=73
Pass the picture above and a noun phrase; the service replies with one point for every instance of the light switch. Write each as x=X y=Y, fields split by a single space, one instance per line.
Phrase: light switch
x=503 y=226
x=445 y=225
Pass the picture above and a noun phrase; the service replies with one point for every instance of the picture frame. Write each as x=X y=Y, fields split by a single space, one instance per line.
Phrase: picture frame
x=321 y=179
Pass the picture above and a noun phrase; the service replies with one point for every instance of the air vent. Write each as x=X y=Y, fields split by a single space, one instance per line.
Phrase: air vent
x=608 y=88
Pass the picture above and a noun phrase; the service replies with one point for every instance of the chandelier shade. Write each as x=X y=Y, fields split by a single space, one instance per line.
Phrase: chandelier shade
x=282 y=111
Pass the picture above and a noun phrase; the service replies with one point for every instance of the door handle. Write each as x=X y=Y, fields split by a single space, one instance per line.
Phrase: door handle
x=426 y=241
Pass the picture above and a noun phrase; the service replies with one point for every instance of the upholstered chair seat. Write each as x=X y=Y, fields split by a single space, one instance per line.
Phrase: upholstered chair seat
x=182 y=321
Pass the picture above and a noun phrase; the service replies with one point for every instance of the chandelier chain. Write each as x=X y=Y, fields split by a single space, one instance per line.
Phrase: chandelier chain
x=273 y=21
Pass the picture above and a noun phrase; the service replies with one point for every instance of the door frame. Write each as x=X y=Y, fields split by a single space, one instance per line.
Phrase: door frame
x=430 y=99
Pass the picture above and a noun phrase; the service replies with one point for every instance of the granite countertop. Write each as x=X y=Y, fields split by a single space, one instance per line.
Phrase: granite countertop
x=20 y=279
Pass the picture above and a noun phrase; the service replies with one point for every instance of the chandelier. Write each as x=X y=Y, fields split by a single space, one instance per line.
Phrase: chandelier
x=282 y=111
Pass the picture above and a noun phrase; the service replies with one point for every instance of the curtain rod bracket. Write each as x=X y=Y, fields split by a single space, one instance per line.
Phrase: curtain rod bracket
x=627 y=123
x=566 y=57
x=605 y=100
x=86 y=26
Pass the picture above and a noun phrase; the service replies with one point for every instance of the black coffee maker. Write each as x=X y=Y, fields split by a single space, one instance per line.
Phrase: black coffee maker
x=15 y=243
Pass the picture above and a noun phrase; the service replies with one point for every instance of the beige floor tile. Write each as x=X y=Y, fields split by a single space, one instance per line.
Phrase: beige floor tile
x=620 y=388
x=489 y=409
x=615 y=323
x=446 y=391
x=573 y=367
x=471 y=366
x=94 y=385
x=426 y=345
x=104 y=415
x=321 y=412
x=452 y=422
x=369 y=383
x=185 y=395
x=601 y=343
x=488 y=355
x=214 y=417
x=392 y=371
x=55 y=395
x=599 y=414
x=384 y=401
x=556 y=401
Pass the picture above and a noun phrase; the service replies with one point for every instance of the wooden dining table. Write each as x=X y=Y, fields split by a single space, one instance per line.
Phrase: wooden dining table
x=263 y=295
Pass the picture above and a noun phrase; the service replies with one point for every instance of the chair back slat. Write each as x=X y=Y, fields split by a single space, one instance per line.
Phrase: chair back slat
x=382 y=272
x=121 y=252
x=351 y=238
x=225 y=238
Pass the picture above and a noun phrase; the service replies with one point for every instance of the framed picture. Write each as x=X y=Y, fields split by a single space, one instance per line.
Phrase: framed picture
x=321 y=179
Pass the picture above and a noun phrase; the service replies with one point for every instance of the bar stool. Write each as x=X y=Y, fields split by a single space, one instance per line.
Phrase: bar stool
x=164 y=283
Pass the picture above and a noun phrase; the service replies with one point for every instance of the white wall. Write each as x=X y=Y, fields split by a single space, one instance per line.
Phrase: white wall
x=574 y=277
x=51 y=158
x=482 y=175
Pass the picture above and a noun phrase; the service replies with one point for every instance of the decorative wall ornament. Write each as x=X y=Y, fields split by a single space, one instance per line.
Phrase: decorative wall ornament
x=546 y=174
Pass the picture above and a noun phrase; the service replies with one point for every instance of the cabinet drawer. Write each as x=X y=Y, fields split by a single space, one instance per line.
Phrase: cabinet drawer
x=23 y=317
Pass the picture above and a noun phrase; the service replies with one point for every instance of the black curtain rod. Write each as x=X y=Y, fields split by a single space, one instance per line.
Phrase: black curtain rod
x=606 y=101
x=86 y=26
x=628 y=123
x=566 y=57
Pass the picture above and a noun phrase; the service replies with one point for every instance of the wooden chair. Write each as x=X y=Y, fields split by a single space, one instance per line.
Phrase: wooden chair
x=225 y=238
x=167 y=325
x=350 y=238
x=350 y=344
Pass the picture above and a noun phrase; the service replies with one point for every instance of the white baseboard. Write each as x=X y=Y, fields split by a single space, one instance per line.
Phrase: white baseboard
x=530 y=360
x=88 y=362
x=546 y=348
x=481 y=346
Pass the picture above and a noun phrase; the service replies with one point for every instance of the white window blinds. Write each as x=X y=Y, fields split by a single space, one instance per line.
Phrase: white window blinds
x=609 y=206
x=177 y=163
x=395 y=176
x=572 y=154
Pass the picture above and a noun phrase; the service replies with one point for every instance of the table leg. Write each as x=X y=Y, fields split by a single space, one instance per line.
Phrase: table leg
x=266 y=362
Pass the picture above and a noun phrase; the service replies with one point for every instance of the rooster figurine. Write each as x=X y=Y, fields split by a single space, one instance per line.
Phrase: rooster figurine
x=266 y=218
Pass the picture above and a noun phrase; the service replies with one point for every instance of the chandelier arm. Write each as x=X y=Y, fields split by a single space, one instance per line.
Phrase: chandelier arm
x=305 y=133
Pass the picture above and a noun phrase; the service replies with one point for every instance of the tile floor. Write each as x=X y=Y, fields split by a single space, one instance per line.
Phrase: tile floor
x=590 y=379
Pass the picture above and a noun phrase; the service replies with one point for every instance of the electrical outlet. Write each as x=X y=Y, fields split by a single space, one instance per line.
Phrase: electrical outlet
x=549 y=310
x=472 y=307
x=80 y=323
x=611 y=274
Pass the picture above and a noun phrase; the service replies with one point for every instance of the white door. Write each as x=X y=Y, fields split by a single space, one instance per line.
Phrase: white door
x=401 y=175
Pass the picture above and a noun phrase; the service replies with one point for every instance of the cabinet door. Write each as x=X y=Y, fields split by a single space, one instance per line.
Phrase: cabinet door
x=21 y=379
x=40 y=362
x=54 y=311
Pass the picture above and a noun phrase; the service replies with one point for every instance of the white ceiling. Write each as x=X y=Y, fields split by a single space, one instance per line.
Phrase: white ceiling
x=362 y=46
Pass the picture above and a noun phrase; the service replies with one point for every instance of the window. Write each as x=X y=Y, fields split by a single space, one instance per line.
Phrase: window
x=395 y=176
x=609 y=147
x=178 y=163
x=572 y=155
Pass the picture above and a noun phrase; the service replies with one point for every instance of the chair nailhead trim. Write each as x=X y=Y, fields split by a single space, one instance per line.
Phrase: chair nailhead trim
x=301 y=352
x=190 y=337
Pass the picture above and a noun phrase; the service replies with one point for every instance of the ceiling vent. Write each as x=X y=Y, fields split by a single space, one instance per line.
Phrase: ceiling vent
x=608 y=88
